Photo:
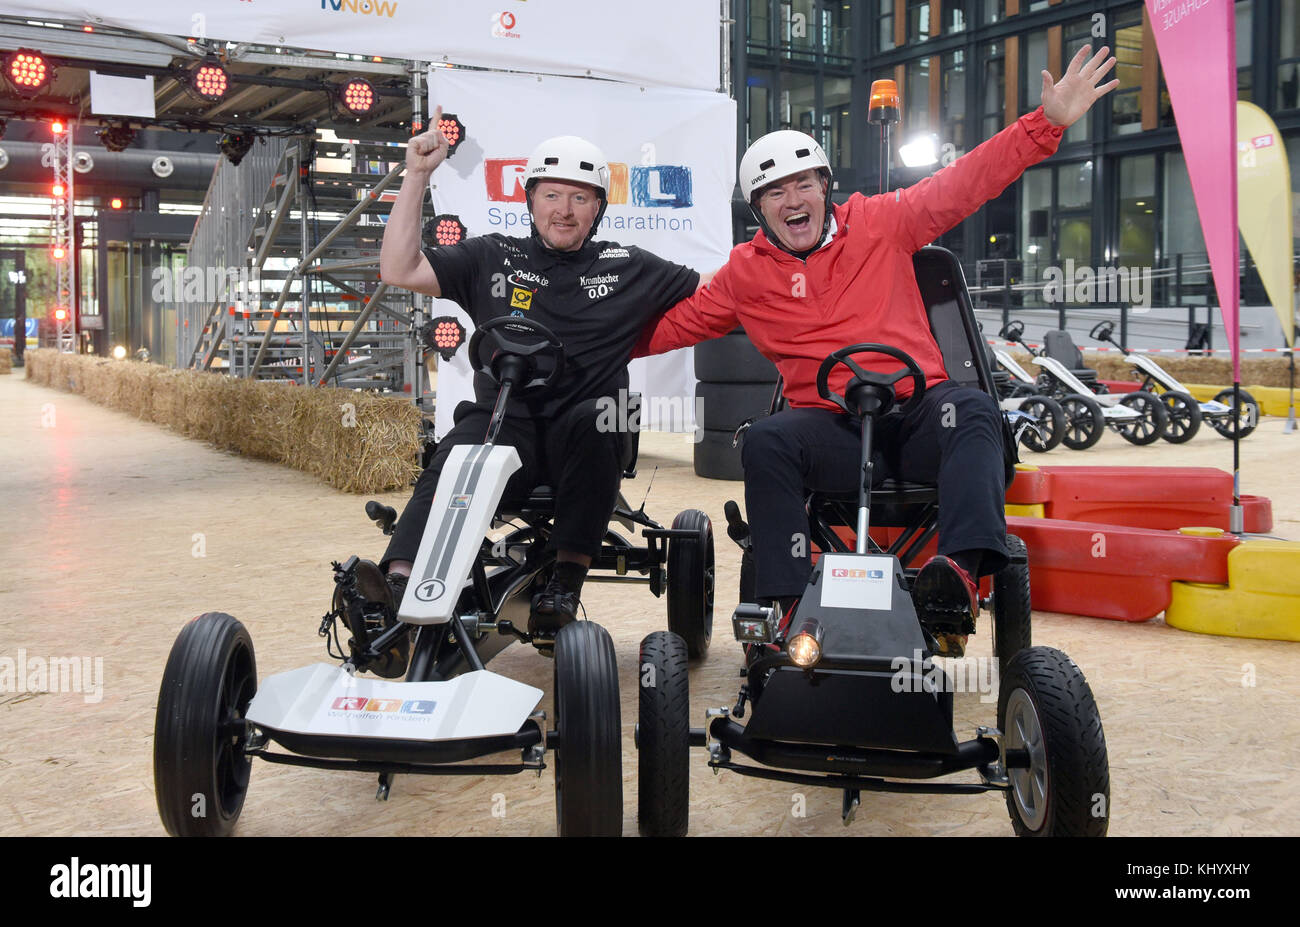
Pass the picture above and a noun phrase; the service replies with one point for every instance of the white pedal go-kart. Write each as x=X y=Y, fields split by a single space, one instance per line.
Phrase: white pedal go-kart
x=466 y=594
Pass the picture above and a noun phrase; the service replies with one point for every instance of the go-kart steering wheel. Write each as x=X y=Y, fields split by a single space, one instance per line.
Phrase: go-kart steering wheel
x=492 y=335
x=1013 y=330
x=1102 y=331
x=870 y=377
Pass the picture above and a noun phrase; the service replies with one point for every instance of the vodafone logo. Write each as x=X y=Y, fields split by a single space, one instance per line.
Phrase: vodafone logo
x=503 y=25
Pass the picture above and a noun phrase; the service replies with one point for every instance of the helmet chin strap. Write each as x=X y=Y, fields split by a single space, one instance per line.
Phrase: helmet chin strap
x=776 y=240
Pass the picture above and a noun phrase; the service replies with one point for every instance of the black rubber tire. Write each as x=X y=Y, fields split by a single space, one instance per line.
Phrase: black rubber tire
x=1084 y=422
x=1073 y=774
x=1249 y=407
x=691 y=582
x=1184 y=416
x=725 y=406
x=716 y=459
x=1155 y=418
x=1051 y=420
x=663 y=737
x=1012 y=607
x=200 y=772
x=589 y=759
x=732 y=359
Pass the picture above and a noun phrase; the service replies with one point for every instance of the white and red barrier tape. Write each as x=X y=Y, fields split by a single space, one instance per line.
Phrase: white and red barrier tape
x=1016 y=344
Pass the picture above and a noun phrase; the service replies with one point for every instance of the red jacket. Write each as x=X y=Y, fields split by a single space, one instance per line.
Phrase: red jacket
x=861 y=286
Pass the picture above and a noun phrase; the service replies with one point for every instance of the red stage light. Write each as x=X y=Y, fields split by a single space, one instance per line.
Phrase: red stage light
x=448 y=230
x=115 y=202
x=57 y=127
x=210 y=81
x=57 y=190
x=60 y=314
x=28 y=71
x=58 y=253
x=444 y=335
x=358 y=96
x=451 y=126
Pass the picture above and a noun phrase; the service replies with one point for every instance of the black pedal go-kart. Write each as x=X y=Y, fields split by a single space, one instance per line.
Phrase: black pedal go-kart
x=849 y=695
x=468 y=598
x=1230 y=419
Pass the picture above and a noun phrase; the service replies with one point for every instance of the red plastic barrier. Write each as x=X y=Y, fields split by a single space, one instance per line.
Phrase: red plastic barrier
x=1121 y=386
x=1150 y=497
x=1113 y=571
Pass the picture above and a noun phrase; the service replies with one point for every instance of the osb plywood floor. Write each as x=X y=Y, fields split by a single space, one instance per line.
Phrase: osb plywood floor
x=104 y=515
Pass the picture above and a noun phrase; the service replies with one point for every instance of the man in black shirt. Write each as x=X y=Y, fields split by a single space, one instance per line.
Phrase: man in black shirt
x=595 y=296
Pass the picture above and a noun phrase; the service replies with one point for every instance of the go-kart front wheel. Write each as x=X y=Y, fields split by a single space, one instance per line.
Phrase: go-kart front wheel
x=1049 y=423
x=663 y=736
x=690 y=582
x=1084 y=421
x=1184 y=416
x=588 y=761
x=1240 y=421
x=200 y=772
x=1152 y=419
x=1046 y=711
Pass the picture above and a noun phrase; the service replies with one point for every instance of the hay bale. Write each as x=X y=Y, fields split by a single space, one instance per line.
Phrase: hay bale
x=6 y=360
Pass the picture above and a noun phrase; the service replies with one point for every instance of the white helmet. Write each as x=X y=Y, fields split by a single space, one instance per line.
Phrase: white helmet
x=774 y=157
x=568 y=157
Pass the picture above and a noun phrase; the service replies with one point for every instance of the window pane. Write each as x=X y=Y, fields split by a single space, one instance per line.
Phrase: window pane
x=953 y=99
x=1243 y=32
x=798 y=26
x=1074 y=185
x=835 y=29
x=918 y=20
x=1035 y=214
x=759 y=23
x=885 y=25
x=954 y=18
x=1181 y=225
x=916 y=97
x=798 y=102
x=759 y=102
x=1075 y=35
x=837 y=98
x=1137 y=211
x=992 y=11
x=1034 y=62
x=1126 y=112
x=994 y=90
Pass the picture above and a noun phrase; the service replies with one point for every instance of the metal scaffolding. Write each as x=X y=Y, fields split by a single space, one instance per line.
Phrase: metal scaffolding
x=288 y=246
x=65 y=249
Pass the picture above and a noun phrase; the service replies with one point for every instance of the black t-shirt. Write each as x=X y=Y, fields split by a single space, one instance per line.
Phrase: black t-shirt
x=596 y=300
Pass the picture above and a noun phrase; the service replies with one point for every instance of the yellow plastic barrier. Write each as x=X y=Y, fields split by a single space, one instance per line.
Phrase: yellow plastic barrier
x=1261 y=600
x=1273 y=400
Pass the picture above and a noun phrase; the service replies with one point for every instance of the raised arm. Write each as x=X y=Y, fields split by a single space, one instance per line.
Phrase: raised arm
x=924 y=211
x=707 y=313
x=401 y=261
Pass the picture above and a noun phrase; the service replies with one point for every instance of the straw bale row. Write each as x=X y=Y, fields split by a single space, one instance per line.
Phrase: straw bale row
x=354 y=441
x=1205 y=371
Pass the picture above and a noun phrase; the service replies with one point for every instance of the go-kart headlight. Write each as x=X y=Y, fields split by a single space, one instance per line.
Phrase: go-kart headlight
x=805 y=648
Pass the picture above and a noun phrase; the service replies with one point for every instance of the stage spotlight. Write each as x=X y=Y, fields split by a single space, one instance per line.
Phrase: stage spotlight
x=234 y=145
x=117 y=137
x=451 y=126
x=27 y=71
x=357 y=96
x=444 y=229
x=209 y=81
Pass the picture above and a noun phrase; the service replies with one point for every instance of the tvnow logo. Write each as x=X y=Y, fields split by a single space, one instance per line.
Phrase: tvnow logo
x=361 y=703
x=364 y=7
x=653 y=186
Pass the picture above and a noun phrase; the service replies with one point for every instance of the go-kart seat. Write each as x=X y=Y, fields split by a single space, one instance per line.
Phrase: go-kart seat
x=966 y=358
x=1060 y=347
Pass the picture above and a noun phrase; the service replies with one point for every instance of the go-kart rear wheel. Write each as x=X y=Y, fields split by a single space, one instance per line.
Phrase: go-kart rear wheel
x=663 y=737
x=200 y=772
x=1152 y=421
x=690 y=582
x=1046 y=709
x=588 y=761
x=1184 y=416
x=1084 y=422
x=1240 y=421
x=1012 y=609
x=1050 y=421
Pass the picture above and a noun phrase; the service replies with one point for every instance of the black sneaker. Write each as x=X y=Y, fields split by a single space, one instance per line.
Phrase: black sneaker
x=553 y=608
x=947 y=602
x=386 y=592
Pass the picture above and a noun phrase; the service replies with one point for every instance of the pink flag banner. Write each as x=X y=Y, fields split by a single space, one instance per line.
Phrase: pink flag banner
x=1196 y=40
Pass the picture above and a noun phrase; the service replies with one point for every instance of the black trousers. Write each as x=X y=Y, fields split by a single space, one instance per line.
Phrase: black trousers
x=953 y=438
x=582 y=463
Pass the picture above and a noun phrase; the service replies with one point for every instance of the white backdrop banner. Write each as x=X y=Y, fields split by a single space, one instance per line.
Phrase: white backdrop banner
x=672 y=157
x=672 y=43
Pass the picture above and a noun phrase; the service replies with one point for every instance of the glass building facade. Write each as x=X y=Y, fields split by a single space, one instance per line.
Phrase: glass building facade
x=1116 y=192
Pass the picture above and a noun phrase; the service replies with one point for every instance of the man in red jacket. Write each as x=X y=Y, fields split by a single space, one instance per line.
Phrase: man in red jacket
x=818 y=277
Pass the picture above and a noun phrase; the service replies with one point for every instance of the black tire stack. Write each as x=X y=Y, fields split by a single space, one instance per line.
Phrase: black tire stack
x=735 y=384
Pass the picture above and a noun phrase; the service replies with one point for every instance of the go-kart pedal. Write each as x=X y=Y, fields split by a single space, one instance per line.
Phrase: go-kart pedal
x=368 y=601
x=947 y=601
x=552 y=608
